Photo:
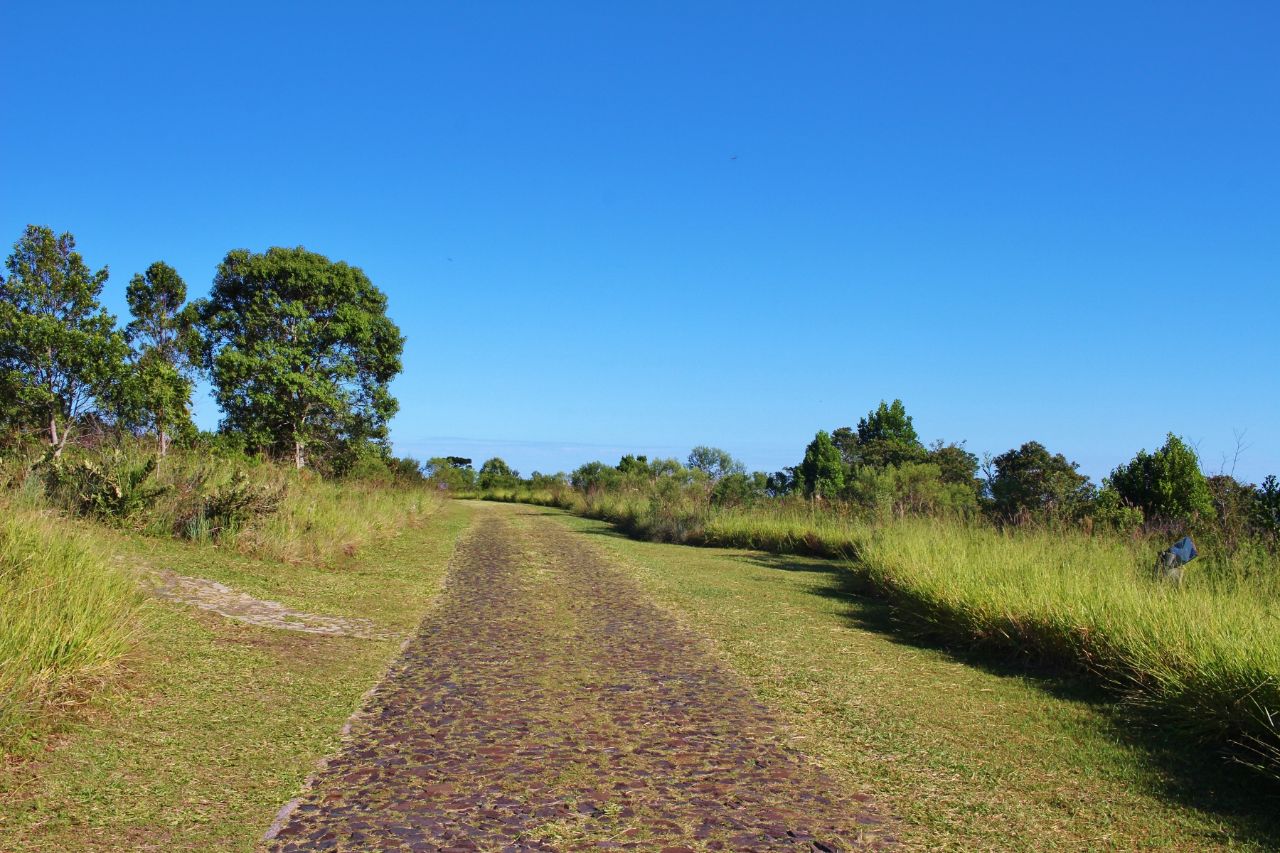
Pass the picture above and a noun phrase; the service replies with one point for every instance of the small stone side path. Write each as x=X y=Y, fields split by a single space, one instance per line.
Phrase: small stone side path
x=225 y=601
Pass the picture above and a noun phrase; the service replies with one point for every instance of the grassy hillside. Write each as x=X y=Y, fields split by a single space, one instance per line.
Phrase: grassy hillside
x=72 y=603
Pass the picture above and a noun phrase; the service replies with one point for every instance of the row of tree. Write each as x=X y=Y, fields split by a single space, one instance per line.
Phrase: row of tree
x=1027 y=482
x=298 y=350
x=882 y=466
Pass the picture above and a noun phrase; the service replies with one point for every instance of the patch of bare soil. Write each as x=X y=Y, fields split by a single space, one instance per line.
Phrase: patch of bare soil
x=221 y=599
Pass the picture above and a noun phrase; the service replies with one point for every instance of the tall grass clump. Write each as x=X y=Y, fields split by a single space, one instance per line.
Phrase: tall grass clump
x=269 y=510
x=785 y=528
x=1203 y=656
x=65 y=619
x=249 y=504
x=320 y=520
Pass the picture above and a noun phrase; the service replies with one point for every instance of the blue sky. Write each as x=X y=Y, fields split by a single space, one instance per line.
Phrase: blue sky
x=639 y=227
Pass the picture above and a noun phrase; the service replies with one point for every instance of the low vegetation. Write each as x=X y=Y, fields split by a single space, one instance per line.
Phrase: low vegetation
x=70 y=609
x=100 y=460
x=66 y=616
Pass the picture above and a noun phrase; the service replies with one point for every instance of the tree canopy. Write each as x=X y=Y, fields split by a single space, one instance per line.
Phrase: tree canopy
x=714 y=462
x=1166 y=484
x=886 y=436
x=61 y=356
x=821 y=474
x=496 y=473
x=165 y=346
x=1032 y=480
x=300 y=351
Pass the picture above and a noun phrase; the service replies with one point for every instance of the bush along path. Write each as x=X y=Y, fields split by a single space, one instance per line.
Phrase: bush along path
x=546 y=704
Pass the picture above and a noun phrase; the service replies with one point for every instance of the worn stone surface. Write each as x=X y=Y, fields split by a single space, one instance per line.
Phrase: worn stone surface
x=225 y=601
x=546 y=704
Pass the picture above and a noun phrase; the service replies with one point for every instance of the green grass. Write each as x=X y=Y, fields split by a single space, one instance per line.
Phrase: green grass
x=1204 y=657
x=971 y=753
x=66 y=617
x=217 y=722
x=69 y=609
x=312 y=519
x=322 y=520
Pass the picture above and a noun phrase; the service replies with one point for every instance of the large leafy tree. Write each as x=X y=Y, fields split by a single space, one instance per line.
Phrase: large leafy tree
x=165 y=344
x=61 y=356
x=495 y=473
x=886 y=436
x=846 y=441
x=821 y=473
x=450 y=472
x=1166 y=484
x=714 y=462
x=300 y=351
x=1030 y=480
x=1266 y=507
x=956 y=464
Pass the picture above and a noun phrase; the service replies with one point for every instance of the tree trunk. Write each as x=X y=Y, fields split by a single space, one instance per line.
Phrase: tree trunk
x=164 y=443
x=298 y=460
x=53 y=436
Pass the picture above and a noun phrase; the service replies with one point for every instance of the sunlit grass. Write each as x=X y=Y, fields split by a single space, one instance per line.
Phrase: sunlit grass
x=66 y=616
x=1205 y=655
x=68 y=607
x=218 y=722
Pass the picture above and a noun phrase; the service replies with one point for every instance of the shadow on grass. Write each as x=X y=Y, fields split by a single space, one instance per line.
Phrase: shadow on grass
x=1183 y=770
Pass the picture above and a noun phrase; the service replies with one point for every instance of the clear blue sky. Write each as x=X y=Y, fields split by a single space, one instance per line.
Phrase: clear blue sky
x=609 y=227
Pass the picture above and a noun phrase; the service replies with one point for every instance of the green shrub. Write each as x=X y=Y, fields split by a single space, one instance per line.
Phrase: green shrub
x=1165 y=485
x=497 y=474
x=1265 y=514
x=821 y=473
x=739 y=489
x=1110 y=512
x=595 y=477
x=231 y=507
x=1032 y=484
x=909 y=489
x=108 y=487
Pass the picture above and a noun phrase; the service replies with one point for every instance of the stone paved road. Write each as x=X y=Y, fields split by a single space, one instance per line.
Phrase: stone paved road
x=546 y=704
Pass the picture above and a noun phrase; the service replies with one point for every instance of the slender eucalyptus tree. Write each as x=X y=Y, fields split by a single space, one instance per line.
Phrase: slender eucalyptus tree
x=61 y=355
x=165 y=346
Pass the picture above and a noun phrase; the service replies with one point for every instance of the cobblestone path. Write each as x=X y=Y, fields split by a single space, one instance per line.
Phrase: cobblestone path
x=546 y=704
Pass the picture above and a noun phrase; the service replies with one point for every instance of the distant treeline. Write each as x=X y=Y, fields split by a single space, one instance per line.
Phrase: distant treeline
x=881 y=469
x=298 y=349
